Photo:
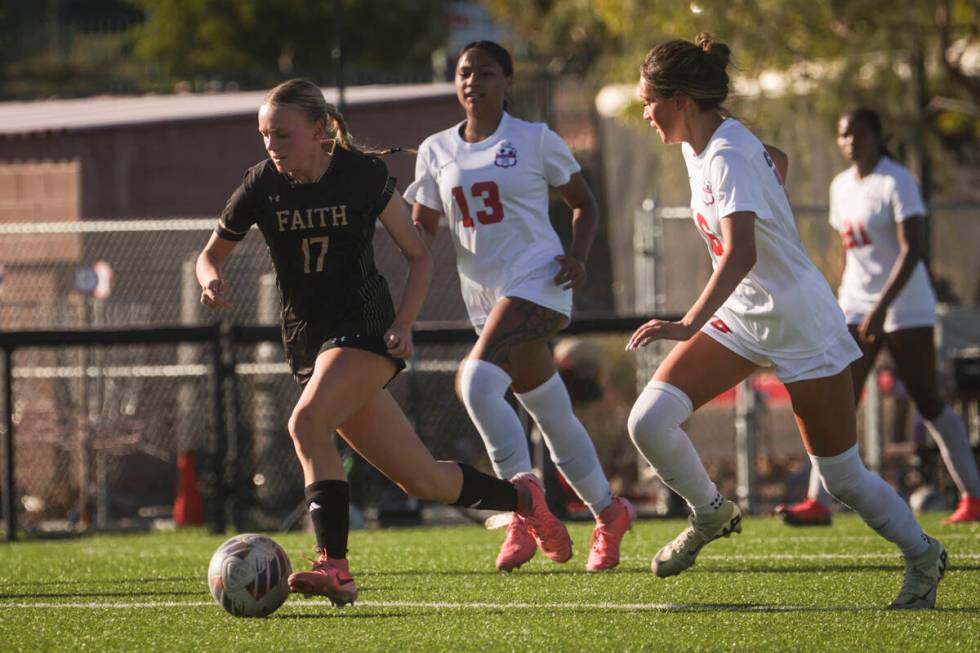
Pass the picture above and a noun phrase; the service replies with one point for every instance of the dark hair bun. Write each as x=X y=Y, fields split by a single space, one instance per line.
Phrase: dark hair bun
x=715 y=50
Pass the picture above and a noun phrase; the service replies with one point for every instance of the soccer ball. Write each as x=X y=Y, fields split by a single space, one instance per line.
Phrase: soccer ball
x=248 y=575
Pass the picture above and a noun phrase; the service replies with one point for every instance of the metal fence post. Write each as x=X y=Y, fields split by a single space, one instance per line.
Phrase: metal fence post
x=746 y=449
x=237 y=447
x=9 y=484
x=872 y=423
x=219 y=438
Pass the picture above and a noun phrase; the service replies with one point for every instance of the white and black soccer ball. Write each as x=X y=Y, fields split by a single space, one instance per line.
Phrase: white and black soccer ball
x=248 y=575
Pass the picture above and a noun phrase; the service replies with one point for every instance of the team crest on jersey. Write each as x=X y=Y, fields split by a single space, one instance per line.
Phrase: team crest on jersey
x=707 y=194
x=506 y=156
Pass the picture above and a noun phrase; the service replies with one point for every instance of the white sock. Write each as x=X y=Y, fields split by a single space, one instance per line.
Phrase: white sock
x=816 y=490
x=654 y=426
x=569 y=443
x=949 y=432
x=483 y=386
x=867 y=494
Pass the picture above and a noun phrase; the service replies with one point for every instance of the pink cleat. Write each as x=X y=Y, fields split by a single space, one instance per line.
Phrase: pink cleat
x=518 y=547
x=329 y=577
x=806 y=513
x=967 y=510
x=611 y=525
x=546 y=529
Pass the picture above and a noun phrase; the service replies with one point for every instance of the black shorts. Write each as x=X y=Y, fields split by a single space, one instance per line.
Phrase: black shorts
x=304 y=341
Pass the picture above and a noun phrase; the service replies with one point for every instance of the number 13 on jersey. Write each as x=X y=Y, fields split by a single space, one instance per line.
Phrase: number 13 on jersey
x=488 y=193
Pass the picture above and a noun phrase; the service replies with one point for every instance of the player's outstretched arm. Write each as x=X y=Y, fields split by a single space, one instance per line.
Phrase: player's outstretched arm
x=399 y=224
x=738 y=236
x=911 y=250
x=585 y=223
x=426 y=222
x=213 y=287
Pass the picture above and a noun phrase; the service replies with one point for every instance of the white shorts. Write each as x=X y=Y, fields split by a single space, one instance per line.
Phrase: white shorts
x=897 y=320
x=835 y=358
x=537 y=286
x=915 y=306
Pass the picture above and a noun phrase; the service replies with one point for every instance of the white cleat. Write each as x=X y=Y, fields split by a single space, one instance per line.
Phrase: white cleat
x=922 y=576
x=679 y=554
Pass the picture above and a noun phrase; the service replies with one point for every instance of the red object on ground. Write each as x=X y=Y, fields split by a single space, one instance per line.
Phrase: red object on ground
x=806 y=513
x=968 y=510
x=188 y=505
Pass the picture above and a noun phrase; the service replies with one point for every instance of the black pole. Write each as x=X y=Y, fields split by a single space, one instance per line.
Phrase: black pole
x=219 y=442
x=235 y=450
x=9 y=486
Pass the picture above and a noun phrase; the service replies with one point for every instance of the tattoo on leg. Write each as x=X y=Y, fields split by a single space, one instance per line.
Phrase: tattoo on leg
x=526 y=322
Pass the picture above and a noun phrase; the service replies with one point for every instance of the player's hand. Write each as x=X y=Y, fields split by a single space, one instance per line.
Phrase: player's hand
x=659 y=330
x=572 y=273
x=398 y=339
x=872 y=326
x=213 y=295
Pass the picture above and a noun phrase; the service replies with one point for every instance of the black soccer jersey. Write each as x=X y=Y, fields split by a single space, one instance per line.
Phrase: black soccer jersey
x=319 y=236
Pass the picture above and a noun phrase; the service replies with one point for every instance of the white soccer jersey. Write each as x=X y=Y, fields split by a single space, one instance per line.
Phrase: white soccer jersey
x=866 y=213
x=783 y=307
x=495 y=195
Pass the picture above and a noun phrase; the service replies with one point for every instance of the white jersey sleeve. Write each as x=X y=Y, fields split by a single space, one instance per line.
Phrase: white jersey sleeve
x=905 y=197
x=425 y=189
x=736 y=189
x=557 y=160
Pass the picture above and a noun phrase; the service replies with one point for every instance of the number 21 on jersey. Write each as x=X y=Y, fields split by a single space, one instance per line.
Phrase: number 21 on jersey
x=488 y=193
x=853 y=235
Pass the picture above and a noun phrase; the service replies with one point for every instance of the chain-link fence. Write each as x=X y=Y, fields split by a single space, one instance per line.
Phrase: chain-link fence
x=100 y=429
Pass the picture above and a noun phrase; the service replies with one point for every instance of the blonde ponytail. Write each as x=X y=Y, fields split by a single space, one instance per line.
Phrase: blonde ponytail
x=307 y=96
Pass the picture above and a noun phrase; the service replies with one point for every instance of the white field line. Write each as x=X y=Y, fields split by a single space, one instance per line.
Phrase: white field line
x=954 y=556
x=662 y=607
x=841 y=539
x=429 y=605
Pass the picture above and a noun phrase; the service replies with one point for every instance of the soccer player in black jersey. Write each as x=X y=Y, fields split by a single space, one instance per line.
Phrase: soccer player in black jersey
x=316 y=200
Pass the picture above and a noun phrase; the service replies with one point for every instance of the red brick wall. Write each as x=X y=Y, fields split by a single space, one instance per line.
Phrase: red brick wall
x=191 y=167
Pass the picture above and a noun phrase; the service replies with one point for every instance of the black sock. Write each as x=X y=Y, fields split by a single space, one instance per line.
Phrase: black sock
x=485 y=492
x=329 y=506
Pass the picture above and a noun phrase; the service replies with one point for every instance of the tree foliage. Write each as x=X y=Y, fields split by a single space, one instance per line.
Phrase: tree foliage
x=904 y=57
x=262 y=40
x=762 y=33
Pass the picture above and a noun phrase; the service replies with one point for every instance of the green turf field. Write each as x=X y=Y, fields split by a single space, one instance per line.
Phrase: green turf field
x=435 y=589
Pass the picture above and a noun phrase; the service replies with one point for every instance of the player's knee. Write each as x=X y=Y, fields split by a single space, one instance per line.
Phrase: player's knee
x=658 y=411
x=480 y=381
x=843 y=485
x=306 y=428
x=423 y=487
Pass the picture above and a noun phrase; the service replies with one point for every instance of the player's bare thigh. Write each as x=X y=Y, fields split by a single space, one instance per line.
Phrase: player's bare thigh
x=703 y=368
x=515 y=337
x=824 y=410
x=343 y=380
x=381 y=434
x=914 y=353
